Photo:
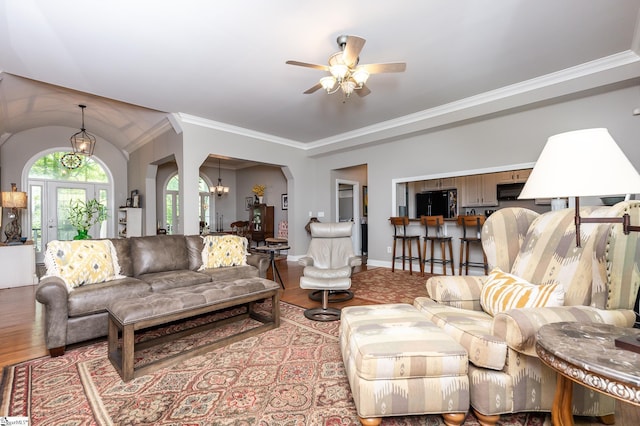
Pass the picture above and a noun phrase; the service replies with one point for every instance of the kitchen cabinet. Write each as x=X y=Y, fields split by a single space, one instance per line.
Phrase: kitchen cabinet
x=442 y=183
x=514 y=176
x=129 y=222
x=479 y=190
x=261 y=222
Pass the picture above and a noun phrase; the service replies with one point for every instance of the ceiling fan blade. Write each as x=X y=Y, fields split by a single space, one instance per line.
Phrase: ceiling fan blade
x=304 y=64
x=363 y=92
x=313 y=89
x=352 y=50
x=381 y=68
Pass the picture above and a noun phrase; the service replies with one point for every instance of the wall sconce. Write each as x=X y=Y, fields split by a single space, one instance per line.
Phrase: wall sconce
x=15 y=201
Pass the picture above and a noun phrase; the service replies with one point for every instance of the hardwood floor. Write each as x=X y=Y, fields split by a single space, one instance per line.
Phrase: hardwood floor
x=22 y=327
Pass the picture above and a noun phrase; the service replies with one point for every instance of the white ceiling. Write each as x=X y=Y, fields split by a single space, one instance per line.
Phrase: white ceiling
x=133 y=62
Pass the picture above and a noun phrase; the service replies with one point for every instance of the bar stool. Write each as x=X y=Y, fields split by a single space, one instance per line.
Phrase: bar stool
x=400 y=234
x=437 y=236
x=471 y=228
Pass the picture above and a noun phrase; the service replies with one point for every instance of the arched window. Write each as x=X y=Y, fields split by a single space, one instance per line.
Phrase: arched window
x=52 y=187
x=172 y=204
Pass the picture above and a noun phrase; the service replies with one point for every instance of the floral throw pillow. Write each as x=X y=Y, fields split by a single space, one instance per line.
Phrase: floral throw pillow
x=82 y=262
x=504 y=291
x=223 y=250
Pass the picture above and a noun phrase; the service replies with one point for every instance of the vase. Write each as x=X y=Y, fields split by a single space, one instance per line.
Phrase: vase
x=260 y=199
x=83 y=234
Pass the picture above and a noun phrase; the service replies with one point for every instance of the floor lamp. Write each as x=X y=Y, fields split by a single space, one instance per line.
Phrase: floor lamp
x=15 y=201
x=583 y=163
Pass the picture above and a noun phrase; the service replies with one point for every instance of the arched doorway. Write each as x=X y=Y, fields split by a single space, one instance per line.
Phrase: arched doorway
x=51 y=189
x=171 y=211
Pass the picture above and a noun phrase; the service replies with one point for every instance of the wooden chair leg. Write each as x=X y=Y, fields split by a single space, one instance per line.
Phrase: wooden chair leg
x=453 y=272
x=466 y=266
x=393 y=256
x=461 y=257
x=410 y=256
x=420 y=257
x=433 y=245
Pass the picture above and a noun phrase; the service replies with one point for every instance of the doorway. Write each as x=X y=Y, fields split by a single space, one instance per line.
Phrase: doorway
x=52 y=187
x=348 y=209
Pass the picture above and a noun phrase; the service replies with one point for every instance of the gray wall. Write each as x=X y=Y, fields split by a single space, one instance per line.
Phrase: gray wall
x=497 y=141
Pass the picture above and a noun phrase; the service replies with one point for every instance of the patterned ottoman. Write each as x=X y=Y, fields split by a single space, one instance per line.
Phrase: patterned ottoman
x=400 y=363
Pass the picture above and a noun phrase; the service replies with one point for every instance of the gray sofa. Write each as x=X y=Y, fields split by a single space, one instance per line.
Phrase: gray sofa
x=149 y=264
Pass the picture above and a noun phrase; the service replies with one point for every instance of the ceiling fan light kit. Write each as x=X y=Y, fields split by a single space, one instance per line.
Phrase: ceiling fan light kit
x=345 y=74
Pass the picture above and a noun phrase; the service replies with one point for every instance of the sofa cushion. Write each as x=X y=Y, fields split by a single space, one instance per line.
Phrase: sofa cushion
x=229 y=273
x=194 y=251
x=95 y=298
x=82 y=262
x=158 y=253
x=123 y=254
x=224 y=250
x=472 y=329
x=503 y=291
x=160 y=281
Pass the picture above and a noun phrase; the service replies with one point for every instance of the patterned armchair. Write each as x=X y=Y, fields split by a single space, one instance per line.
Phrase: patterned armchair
x=600 y=280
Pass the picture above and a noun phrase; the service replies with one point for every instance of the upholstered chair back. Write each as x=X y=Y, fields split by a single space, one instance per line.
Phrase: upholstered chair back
x=503 y=233
x=617 y=277
x=602 y=272
x=331 y=246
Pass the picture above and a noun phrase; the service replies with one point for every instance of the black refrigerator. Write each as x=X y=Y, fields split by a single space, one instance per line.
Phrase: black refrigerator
x=436 y=203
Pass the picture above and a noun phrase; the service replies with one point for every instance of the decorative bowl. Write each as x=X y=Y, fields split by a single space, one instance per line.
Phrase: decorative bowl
x=609 y=201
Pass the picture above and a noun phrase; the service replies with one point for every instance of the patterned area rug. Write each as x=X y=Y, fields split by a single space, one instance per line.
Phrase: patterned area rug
x=292 y=375
x=380 y=285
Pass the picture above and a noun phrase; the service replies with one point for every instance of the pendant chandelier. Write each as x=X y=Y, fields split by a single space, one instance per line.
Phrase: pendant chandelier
x=82 y=142
x=219 y=189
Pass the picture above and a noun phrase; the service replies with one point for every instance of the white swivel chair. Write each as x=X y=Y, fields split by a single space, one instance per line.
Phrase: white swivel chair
x=328 y=265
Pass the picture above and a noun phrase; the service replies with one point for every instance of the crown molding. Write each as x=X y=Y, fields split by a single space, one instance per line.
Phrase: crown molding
x=529 y=91
x=216 y=125
x=161 y=127
x=453 y=109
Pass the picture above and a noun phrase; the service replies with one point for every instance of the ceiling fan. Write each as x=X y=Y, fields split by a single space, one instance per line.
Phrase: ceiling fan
x=346 y=73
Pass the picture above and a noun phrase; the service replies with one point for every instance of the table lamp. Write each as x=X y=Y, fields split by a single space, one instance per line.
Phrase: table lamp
x=15 y=201
x=583 y=163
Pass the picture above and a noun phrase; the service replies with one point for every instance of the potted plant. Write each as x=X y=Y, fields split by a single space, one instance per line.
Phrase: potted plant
x=259 y=191
x=83 y=215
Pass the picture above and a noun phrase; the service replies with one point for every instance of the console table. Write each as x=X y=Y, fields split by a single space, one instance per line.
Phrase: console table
x=585 y=353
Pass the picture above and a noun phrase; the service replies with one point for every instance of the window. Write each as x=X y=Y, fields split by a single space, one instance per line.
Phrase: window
x=172 y=204
x=52 y=186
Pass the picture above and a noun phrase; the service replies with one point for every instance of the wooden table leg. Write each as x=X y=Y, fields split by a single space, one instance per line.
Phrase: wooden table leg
x=561 y=412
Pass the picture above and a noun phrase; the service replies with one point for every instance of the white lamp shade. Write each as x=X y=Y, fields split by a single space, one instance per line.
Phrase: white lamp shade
x=328 y=82
x=581 y=163
x=360 y=75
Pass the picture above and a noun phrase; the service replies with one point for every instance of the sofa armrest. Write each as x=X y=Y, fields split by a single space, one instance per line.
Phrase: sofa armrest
x=458 y=291
x=52 y=293
x=518 y=327
x=305 y=261
x=259 y=261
